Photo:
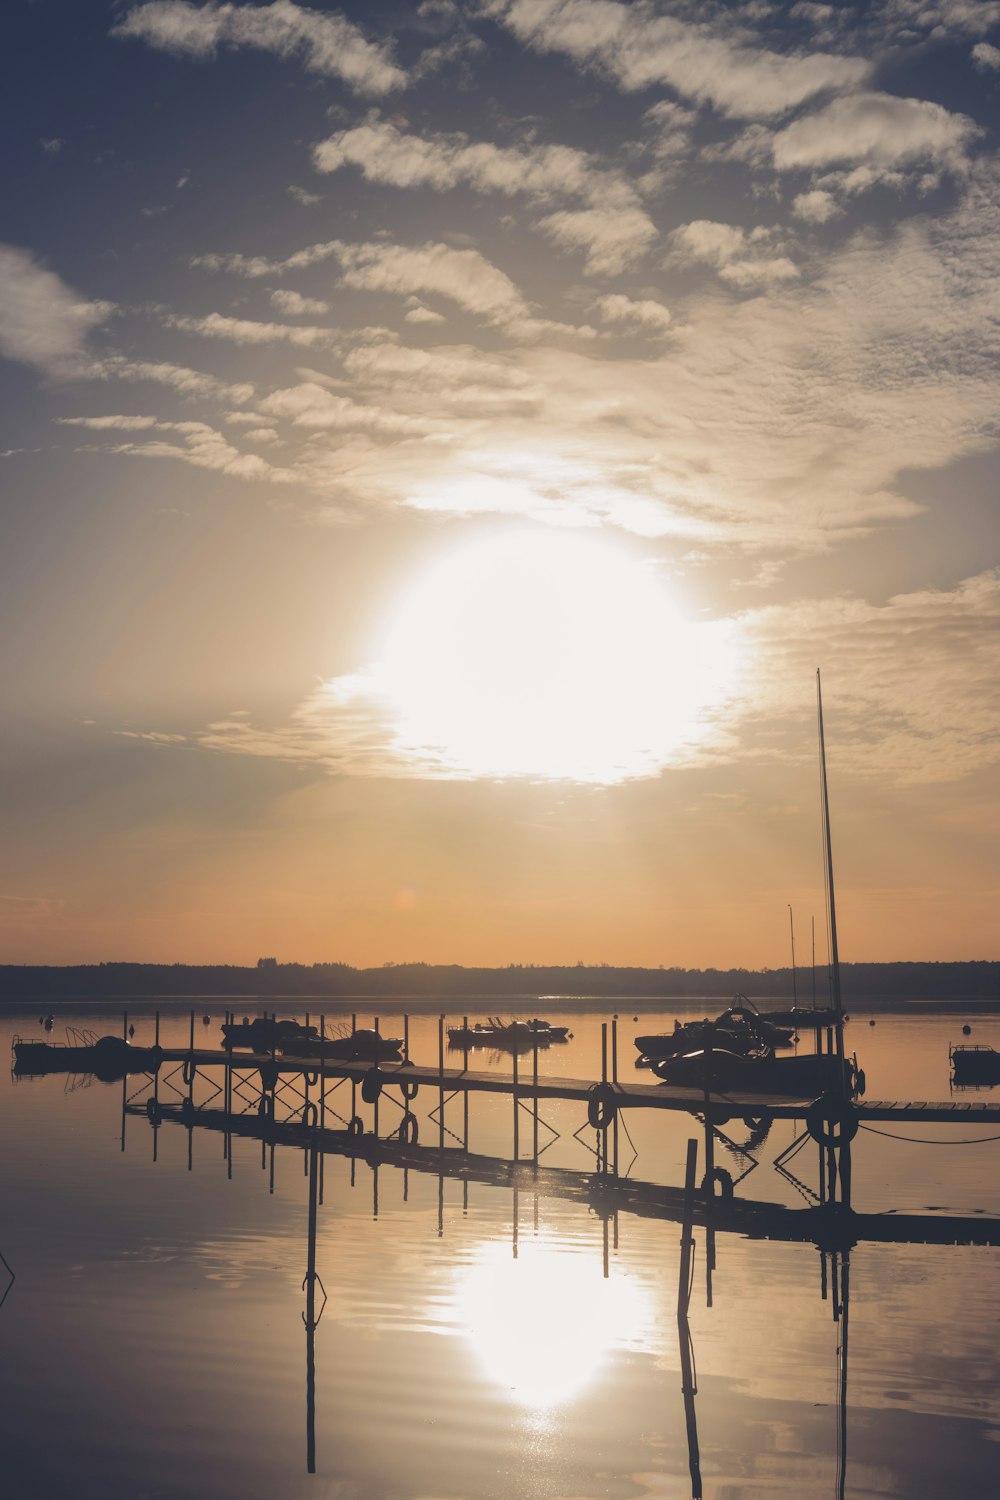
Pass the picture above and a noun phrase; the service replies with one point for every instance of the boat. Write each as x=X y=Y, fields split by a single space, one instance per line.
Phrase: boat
x=797 y=1017
x=804 y=1077
x=362 y=1045
x=737 y=1031
x=265 y=1034
x=975 y=1063
x=108 y=1058
x=495 y=1032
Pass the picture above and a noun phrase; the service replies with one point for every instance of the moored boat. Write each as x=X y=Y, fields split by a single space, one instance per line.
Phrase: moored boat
x=975 y=1063
x=801 y=1077
x=107 y=1058
x=362 y=1045
x=265 y=1034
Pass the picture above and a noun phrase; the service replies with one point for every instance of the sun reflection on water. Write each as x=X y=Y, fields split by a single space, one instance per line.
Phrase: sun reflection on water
x=542 y=1325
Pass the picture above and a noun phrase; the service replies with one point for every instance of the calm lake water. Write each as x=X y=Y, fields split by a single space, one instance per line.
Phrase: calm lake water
x=477 y=1341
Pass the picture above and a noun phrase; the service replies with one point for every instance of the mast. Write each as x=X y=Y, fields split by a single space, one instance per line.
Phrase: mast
x=795 y=987
x=828 y=866
x=814 y=961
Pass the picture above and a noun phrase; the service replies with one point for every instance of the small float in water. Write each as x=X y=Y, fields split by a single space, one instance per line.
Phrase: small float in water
x=975 y=1063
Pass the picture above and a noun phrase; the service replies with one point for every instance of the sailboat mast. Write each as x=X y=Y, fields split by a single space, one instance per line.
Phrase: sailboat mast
x=795 y=985
x=814 y=961
x=834 y=953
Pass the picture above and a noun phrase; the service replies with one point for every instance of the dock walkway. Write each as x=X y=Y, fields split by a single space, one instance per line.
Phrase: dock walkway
x=628 y=1095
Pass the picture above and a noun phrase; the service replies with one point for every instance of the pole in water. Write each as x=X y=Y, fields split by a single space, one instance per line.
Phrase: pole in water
x=834 y=951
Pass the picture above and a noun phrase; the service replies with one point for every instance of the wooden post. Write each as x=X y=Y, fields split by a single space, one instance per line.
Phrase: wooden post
x=441 y=1084
x=688 y=1387
x=516 y=1107
x=465 y=1092
x=614 y=1079
x=534 y=1084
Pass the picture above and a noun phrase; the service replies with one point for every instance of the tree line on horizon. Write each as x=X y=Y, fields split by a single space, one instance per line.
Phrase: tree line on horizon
x=977 y=980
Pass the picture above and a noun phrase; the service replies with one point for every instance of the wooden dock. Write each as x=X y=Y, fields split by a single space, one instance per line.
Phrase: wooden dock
x=632 y=1094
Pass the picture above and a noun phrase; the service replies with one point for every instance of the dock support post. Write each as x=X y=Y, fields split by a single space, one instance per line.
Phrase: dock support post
x=322 y=1097
x=354 y=1088
x=516 y=1107
x=465 y=1093
x=614 y=1080
x=604 y=1079
x=310 y=1313
x=709 y=1165
x=375 y=1028
x=124 y=1074
x=156 y=1082
x=534 y=1085
x=406 y=1038
x=688 y=1388
x=441 y=1084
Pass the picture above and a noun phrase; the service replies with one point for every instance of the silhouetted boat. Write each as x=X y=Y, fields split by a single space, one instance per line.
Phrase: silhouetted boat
x=507 y=1034
x=107 y=1058
x=265 y=1034
x=362 y=1045
x=977 y=1063
x=805 y=1077
x=735 y=1030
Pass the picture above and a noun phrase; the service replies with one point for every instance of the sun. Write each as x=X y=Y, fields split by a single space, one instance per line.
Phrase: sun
x=546 y=655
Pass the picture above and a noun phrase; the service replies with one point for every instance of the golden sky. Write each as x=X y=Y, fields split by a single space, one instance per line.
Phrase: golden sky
x=441 y=443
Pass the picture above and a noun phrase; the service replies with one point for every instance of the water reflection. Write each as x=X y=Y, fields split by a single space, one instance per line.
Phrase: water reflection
x=543 y=1324
x=442 y=1361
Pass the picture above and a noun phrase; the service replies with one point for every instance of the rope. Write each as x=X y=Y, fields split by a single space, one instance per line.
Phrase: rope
x=917 y=1140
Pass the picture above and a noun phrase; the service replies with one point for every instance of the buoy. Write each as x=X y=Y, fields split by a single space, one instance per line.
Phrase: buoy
x=601 y=1106
x=871 y=1023
x=967 y=1030
x=831 y=1121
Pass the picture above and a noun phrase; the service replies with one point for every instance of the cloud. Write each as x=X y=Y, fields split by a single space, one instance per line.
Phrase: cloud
x=186 y=382
x=879 y=129
x=201 y=446
x=52 y=146
x=301 y=195
x=644 y=316
x=613 y=239
x=638 y=48
x=43 y=322
x=815 y=207
x=311 y=406
x=297 y=306
x=614 y=230
x=326 y=43
x=103 y=424
x=910 y=683
x=246 y=331
x=985 y=57
x=742 y=259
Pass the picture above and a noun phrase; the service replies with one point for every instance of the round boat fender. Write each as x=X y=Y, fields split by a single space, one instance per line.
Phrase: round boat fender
x=154 y=1114
x=187 y=1108
x=188 y=1070
x=721 y=1176
x=602 y=1106
x=409 y=1090
x=356 y=1126
x=268 y=1075
x=312 y=1079
x=371 y=1086
x=831 y=1121
x=310 y=1115
x=408 y=1129
x=755 y=1122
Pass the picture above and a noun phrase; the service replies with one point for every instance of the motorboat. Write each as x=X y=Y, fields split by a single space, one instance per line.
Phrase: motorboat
x=975 y=1063
x=807 y=1076
x=107 y=1057
x=507 y=1035
x=265 y=1034
x=361 y=1045
x=734 y=1031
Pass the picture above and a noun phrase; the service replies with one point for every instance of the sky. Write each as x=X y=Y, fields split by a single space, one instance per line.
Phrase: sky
x=440 y=442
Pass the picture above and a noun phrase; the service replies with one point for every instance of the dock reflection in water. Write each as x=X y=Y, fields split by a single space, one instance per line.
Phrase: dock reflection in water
x=496 y=1329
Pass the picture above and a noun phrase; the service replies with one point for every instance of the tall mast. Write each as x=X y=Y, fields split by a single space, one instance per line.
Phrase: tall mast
x=814 y=960
x=834 y=954
x=791 y=926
